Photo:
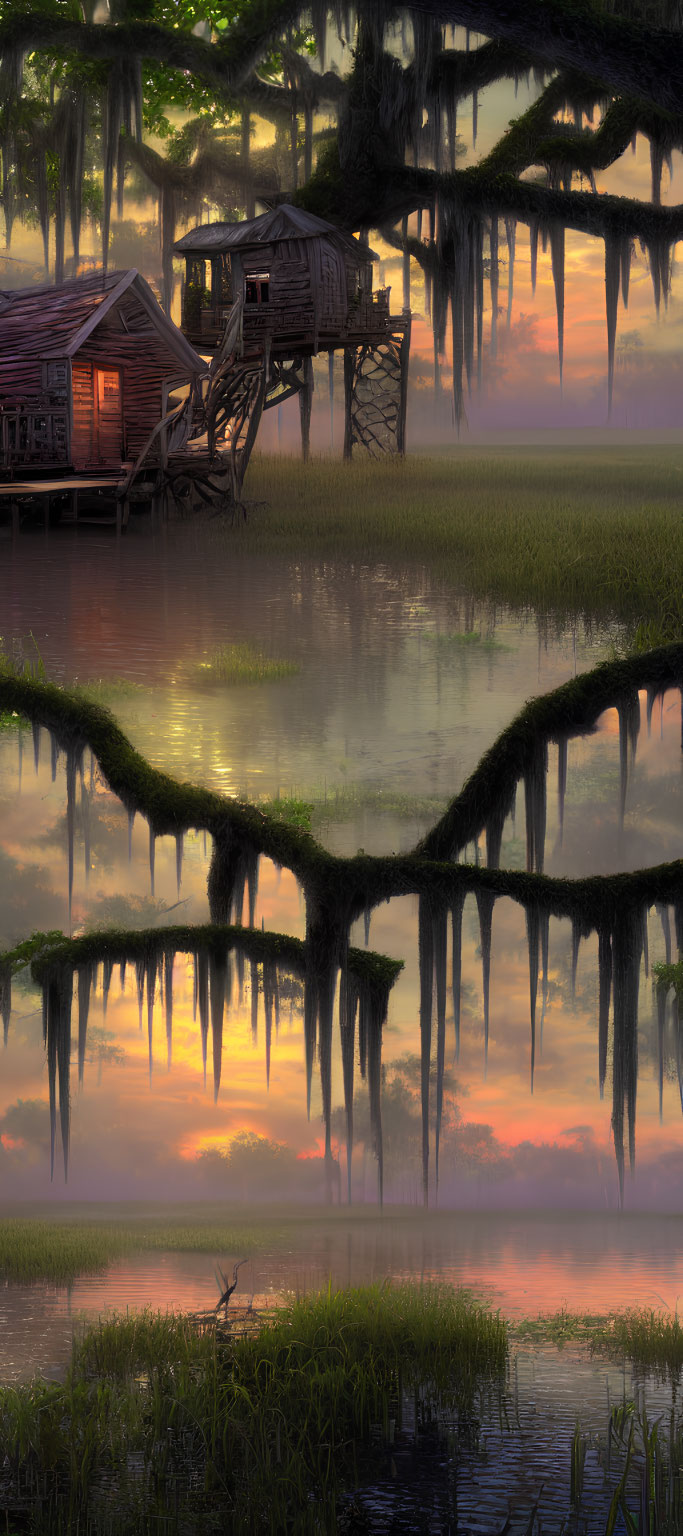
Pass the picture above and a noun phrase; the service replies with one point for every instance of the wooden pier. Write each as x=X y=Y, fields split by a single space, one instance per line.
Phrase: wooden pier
x=18 y=495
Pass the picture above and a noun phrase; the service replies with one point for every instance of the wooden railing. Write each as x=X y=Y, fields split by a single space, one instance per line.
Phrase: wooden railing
x=32 y=435
x=368 y=312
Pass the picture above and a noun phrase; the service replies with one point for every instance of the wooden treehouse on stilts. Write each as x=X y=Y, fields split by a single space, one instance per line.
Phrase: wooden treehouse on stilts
x=266 y=296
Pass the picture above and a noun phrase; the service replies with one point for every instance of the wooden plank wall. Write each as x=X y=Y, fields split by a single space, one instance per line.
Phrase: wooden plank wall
x=83 y=408
x=21 y=377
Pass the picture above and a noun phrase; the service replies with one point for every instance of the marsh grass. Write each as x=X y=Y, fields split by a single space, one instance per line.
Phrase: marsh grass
x=652 y=1340
x=559 y=1328
x=108 y=690
x=243 y=663
x=23 y=660
x=462 y=640
x=57 y=1251
x=344 y=802
x=649 y=1339
x=594 y=533
x=269 y=1429
x=292 y=809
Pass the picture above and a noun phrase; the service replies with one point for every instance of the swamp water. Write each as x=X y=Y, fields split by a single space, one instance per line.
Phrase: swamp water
x=400 y=691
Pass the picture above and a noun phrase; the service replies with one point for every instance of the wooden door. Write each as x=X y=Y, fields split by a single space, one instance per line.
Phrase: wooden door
x=108 y=416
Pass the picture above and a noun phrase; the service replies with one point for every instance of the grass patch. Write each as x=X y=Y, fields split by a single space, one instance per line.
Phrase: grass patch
x=243 y=663
x=345 y=801
x=59 y=1251
x=108 y=690
x=595 y=533
x=649 y=1339
x=290 y=809
x=264 y=1432
x=559 y=1328
x=466 y=640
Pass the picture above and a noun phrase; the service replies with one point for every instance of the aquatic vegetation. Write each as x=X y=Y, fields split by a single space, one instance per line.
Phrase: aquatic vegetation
x=560 y=1328
x=264 y=1428
x=465 y=640
x=243 y=663
x=343 y=802
x=648 y=1338
x=60 y=1249
x=109 y=690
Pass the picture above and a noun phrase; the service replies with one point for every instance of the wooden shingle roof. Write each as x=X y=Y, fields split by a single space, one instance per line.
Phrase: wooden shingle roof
x=282 y=223
x=54 y=321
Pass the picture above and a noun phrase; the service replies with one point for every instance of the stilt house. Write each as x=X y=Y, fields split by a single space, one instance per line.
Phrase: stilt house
x=305 y=286
x=86 y=369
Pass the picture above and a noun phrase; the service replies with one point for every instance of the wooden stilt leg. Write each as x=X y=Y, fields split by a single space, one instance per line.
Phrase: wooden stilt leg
x=403 y=402
x=349 y=364
x=305 y=405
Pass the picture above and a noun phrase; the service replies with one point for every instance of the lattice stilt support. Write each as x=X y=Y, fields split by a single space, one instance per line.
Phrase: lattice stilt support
x=376 y=392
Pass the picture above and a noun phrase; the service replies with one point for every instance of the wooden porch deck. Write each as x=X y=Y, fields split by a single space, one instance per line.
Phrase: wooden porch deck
x=16 y=493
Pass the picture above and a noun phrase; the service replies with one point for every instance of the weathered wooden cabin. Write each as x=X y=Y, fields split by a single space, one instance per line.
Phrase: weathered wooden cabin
x=293 y=286
x=86 y=369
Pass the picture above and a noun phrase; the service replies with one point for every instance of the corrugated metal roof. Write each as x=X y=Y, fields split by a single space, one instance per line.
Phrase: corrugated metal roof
x=282 y=223
x=54 y=321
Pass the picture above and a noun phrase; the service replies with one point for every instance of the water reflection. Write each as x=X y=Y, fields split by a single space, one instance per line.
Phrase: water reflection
x=621 y=946
x=515 y=981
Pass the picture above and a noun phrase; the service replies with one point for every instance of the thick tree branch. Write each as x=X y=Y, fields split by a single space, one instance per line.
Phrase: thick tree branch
x=633 y=60
x=224 y=65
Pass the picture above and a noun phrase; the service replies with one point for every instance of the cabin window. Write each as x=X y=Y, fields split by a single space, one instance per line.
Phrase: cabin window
x=56 y=379
x=257 y=287
x=109 y=386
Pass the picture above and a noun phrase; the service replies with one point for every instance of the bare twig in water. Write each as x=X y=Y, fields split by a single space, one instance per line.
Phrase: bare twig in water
x=228 y=1289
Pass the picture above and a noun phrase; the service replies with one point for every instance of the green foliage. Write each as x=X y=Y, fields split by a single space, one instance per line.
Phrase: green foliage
x=290 y=809
x=38 y=944
x=668 y=976
x=467 y=640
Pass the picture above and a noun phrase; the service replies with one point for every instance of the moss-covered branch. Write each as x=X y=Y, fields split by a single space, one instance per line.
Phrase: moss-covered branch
x=47 y=953
x=340 y=888
x=630 y=58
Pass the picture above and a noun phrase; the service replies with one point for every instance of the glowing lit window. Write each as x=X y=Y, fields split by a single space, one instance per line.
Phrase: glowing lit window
x=110 y=386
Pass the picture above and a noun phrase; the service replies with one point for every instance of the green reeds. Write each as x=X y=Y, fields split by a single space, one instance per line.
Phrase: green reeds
x=57 y=1251
x=263 y=1432
x=649 y=1339
x=243 y=663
